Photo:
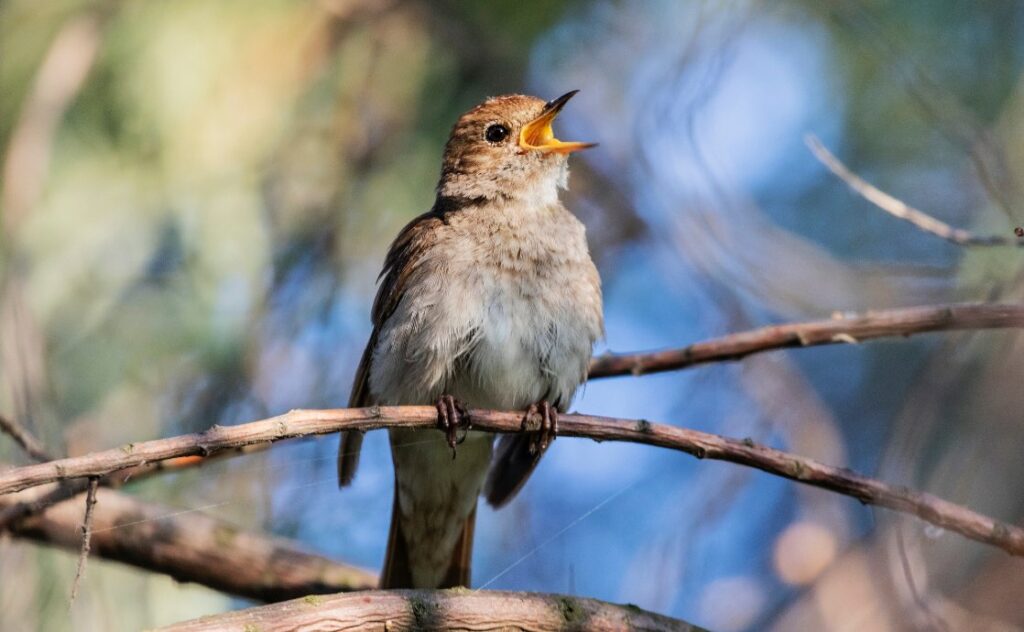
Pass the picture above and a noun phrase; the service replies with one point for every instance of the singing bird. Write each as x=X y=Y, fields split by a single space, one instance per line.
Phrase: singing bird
x=489 y=300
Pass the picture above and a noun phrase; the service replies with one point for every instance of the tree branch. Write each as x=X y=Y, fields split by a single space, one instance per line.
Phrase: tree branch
x=194 y=548
x=845 y=329
x=457 y=609
x=900 y=209
x=302 y=423
x=28 y=442
x=69 y=489
x=140 y=460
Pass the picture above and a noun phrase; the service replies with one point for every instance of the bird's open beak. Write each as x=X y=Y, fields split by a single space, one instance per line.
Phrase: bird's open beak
x=537 y=134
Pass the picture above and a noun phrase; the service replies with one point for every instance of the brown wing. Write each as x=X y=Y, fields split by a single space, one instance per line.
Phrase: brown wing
x=352 y=440
x=403 y=258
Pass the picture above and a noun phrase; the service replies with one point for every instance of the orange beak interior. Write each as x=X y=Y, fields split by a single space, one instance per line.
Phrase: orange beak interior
x=537 y=135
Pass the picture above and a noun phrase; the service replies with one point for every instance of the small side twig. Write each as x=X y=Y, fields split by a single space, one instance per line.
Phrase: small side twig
x=83 y=554
x=900 y=209
x=32 y=446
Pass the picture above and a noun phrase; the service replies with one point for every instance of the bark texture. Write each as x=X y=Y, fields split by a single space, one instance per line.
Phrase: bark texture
x=457 y=609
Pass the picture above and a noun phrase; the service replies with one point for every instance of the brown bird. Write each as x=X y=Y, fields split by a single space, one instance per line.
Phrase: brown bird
x=489 y=300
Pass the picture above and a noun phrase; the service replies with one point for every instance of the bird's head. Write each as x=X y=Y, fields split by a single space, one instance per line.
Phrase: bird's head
x=505 y=148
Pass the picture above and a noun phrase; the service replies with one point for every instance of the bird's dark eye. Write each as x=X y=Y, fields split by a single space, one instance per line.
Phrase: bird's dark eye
x=496 y=133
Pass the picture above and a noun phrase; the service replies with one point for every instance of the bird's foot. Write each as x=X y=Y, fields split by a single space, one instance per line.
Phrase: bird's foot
x=451 y=415
x=542 y=419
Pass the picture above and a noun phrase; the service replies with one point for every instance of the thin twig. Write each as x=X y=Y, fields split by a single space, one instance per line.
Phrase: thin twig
x=83 y=553
x=303 y=423
x=900 y=209
x=32 y=446
x=890 y=323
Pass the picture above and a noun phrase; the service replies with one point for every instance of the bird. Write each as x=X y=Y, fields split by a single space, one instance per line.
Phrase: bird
x=489 y=300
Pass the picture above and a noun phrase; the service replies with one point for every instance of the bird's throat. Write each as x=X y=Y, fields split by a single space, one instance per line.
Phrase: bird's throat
x=535 y=187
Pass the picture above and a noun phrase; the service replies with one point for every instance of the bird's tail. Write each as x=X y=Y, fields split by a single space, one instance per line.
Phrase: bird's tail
x=397 y=572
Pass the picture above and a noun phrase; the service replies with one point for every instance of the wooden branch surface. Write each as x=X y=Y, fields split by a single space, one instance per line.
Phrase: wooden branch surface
x=842 y=330
x=194 y=548
x=457 y=609
x=302 y=423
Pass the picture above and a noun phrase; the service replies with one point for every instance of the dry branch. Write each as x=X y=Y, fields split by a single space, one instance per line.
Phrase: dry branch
x=86 y=547
x=13 y=512
x=138 y=461
x=900 y=209
x=32 y=446
x=457 y=609
x=194 y=548
x=843 y=330
x=302 y=423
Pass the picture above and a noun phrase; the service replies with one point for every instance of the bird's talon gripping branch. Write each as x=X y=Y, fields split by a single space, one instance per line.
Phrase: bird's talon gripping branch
x=547 y=430
x=451 y=415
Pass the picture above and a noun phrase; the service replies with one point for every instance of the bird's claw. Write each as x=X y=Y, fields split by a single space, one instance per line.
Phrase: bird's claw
x=451 y=415
x=542 y=419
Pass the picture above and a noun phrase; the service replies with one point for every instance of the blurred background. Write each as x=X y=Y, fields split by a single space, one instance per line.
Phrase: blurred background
x=197 y=197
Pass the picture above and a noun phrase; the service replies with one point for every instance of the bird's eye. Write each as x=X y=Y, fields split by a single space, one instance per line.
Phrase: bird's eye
x=496 y=133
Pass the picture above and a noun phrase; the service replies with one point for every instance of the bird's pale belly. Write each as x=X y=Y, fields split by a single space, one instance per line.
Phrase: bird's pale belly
x=527 y=350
